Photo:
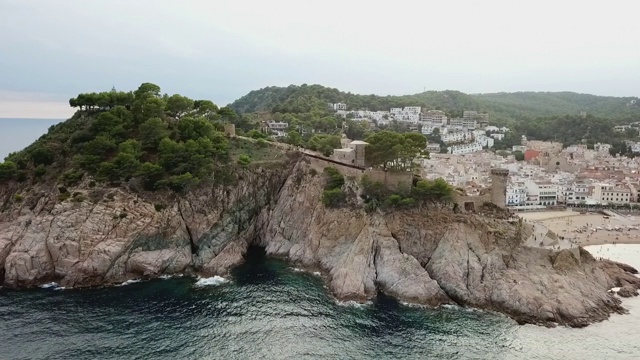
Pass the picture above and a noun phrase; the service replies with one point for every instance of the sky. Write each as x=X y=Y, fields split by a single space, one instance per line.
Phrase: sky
x=220 y=50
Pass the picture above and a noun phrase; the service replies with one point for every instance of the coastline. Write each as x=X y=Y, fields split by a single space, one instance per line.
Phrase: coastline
x=577 y=229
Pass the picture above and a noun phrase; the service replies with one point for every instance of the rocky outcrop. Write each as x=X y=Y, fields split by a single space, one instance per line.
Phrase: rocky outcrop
x=429 y=256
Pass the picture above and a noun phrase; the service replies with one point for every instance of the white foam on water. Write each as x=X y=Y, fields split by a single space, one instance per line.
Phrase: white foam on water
x=297 y=269
x=52 y=286
x=211 y=281
x=317 y=273
x=413 y=305
x=354 y=304
x=49 y=285
x=129 y=282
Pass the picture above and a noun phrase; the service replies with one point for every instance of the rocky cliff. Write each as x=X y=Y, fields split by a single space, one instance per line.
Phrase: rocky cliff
x=428 y=255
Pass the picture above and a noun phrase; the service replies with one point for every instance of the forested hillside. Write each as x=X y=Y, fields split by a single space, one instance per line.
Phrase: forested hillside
x=503 y=107
x=143 y=138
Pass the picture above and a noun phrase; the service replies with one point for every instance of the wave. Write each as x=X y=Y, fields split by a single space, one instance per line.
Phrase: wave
x=166 y=277
x=129 y=282
x=354 y=304
x=314 y=273
x=52 y=286
x=211 y=281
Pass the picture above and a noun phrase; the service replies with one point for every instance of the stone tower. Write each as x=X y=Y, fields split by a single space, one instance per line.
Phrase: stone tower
x=358 y=149
x=499 y=179
x=229 y=130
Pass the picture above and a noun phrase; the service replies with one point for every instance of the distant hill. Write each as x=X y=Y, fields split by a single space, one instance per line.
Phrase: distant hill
x=503 y=107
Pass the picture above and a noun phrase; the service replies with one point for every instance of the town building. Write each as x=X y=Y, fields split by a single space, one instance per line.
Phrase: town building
x=277 y=128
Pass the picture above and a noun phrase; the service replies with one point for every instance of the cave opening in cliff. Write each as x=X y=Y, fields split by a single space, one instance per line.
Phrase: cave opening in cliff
x=257 y=267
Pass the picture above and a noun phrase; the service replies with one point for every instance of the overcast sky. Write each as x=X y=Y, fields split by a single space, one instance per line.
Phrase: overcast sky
x=220 y=50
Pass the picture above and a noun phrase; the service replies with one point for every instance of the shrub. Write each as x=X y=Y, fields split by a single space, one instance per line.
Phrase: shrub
x=40 y=171
x=72 y=178
x=78 y=197
x=17 y=198
x=64 y=196
x=335 y=180
x=92 y=184
x=261 y=143
x=123 y=215
x=179 y=183
x=333 y=197
x=244 y=160
x=8 y=170
x=159 y=207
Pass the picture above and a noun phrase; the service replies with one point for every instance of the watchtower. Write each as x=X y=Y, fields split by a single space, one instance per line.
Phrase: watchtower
x=229 y=130
x=499 y=179
x=358 y=148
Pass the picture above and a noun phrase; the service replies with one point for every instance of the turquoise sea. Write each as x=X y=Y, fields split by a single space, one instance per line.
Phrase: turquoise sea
x=268 y=310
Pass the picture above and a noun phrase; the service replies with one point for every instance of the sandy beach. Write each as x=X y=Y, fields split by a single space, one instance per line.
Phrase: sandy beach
x=588 y=229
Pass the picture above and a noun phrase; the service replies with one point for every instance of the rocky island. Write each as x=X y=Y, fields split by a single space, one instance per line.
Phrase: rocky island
x=140 y=185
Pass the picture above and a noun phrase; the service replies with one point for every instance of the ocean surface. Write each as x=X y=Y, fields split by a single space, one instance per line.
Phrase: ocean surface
x=16 y=134
x=266 y=309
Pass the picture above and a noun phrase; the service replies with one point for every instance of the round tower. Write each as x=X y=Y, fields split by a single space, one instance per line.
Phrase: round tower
x=499 y=179
x=358 y=149
x=230 y=130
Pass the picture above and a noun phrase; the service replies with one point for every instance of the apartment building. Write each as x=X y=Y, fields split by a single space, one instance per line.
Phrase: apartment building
x=611 y=194
x=516 y=195
x=435 y=117
x=464 y=148
x=278 y=128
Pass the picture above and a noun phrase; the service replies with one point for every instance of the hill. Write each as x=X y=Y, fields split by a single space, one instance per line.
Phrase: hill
x=140 y=138
x=503 y=107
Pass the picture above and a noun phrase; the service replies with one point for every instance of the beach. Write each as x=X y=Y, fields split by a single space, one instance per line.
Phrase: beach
x=591 y=228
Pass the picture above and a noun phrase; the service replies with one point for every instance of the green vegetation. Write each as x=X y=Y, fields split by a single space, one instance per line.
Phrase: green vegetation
x=377 y=195
x=333 y=196
x=141 y=137
x=395 y=151
x=505 y=108
x=244 y=160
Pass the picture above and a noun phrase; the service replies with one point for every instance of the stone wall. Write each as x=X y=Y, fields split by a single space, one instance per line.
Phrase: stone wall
x=319 y=165
x=391 y=179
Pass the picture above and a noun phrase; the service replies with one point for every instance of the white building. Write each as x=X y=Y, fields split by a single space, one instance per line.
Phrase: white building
x=516 y=195
x=464 y=148
x=541 y=193
x=609 y=194
x=278 y=128
x=497 y=136
x=435 y=117
x=602 y=148
x=455 y=136
x=485 y=141
x=622 y=128
x=339 y=106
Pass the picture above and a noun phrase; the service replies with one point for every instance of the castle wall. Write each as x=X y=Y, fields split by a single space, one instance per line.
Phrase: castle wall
x=391 y=179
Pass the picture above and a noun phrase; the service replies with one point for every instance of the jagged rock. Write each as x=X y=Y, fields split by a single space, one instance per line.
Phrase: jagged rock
x=565 y=260
x=428 y=255
x=628 y=291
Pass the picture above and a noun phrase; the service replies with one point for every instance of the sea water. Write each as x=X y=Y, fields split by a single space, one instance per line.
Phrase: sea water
x=266 y=309
x=16 y=134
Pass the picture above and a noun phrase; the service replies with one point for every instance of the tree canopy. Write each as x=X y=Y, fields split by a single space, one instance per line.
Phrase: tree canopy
x=392 y=150
x=143 y=137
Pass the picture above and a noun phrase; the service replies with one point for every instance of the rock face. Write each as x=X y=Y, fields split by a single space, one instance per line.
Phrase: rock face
x=430 y=256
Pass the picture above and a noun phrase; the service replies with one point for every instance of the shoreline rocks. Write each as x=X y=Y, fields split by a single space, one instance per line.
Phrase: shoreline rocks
x=429 y=256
